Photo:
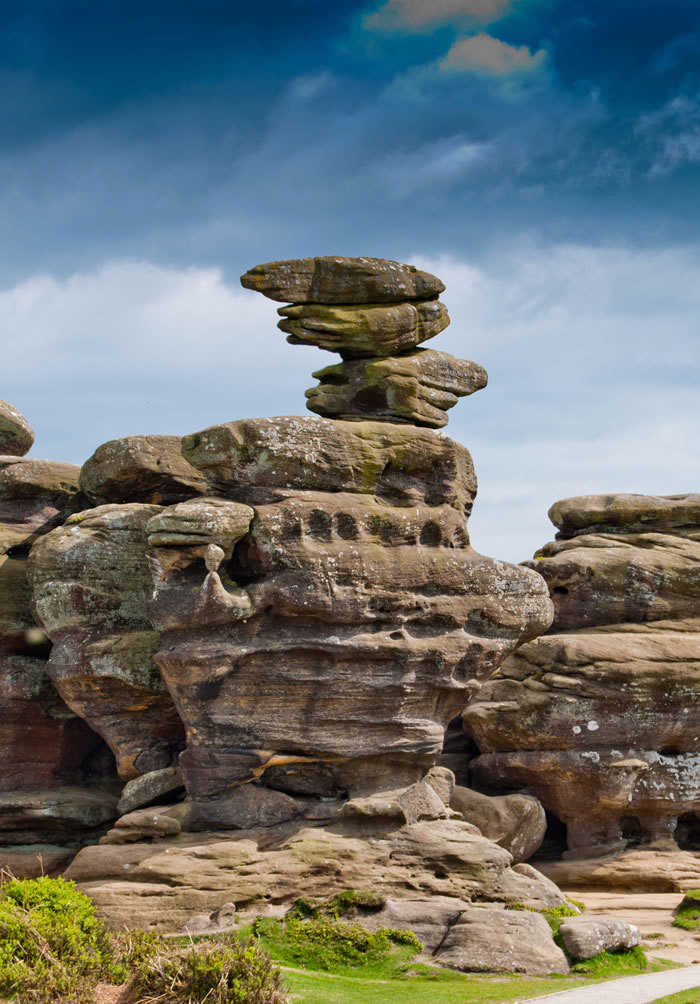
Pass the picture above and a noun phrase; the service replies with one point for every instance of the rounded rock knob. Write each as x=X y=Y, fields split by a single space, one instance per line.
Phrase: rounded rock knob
x=213 y=557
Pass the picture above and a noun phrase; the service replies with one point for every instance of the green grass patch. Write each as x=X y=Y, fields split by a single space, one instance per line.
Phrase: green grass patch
x=684 y=997
x=688 y=911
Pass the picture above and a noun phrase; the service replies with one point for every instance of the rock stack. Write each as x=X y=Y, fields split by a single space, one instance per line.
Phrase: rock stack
x=600 y=718
x=52 y=784
x=374 y=314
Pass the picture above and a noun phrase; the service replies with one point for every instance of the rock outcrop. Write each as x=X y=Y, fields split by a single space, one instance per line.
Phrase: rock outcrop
x=600 y=718
x=54 y=784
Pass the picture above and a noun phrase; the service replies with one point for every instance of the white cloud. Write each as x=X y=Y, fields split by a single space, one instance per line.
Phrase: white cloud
x=672 y=135
x=417 y=13
x=407 y=171
x=486 y=54
x=591 y=353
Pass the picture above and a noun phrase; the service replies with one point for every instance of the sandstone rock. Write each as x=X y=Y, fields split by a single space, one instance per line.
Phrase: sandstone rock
x=143 y=824
x=216 y=922
x=58 y=812
x=429 y=919
x=149 y=788
x=418 y=388
x=140 y=469
x=606 y=705
x=629 y=513
x=333 y=279
x=638 y=870
x=492 y=941
x=361 y=331
x=516 y=822
x=90 y=582
x=200 y=523
x=608 y=787
x=160 y=884
x=321 y=585
x=16 y=434
x=585 y=937
x=257 y=460
x=34 y=860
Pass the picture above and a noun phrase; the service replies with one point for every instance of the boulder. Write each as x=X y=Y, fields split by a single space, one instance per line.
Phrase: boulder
x=259 y=460
x=149 y=788
x=90 y=582
x=333 y=279
x=586 y=937
x=16 y=434
x=516 y=822
x=140 y=469
x=418 y=388
x=493 y=941
x=630 y=513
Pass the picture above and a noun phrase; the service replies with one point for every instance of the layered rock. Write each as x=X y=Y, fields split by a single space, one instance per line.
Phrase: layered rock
x=606 y=705
x=51 y=760
x=90 y=581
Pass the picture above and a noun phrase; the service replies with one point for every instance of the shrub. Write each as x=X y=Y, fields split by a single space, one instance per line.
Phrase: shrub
x=227 y=972
x=52 y=946
x=327 y=943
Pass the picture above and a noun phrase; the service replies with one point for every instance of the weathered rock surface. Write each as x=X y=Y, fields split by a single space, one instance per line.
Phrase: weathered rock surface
x=333 y=279
x=16 y=434
x=146 y=789
x=418 y=387
x=516 y=822
x=263 y=665
x=606 y=705
x=491 y=941
x=365 y=330
x=47 y=752
x=163 y=881
x=585 y=937
x=640 y=870
x=140 y=469
x=90 y=581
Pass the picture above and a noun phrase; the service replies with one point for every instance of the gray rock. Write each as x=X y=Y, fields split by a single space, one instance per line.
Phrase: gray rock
x=509 y=941
x=140 y=469
x=516 y=822
x=585 y=937
x=333 y=279
x=16 y=434
x=147 y=788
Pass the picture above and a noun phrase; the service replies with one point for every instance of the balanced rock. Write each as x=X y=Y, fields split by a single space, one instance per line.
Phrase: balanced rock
x=418 y=387
x=16 y=434
x=90 y=581
x=364 y=330
x=333 y=279
x=606 y=705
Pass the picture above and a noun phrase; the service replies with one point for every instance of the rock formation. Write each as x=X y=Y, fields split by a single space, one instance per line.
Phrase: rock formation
x=51 y=760
x=284 y=615
x=600 y=718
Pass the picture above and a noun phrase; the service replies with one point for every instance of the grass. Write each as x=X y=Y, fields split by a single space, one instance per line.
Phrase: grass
x=688 y=911
x=684 y=997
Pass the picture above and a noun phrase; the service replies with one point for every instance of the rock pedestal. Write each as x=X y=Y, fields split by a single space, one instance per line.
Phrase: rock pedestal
x=600 y=718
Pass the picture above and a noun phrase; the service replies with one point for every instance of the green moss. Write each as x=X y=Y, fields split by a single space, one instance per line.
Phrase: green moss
x=688 y=911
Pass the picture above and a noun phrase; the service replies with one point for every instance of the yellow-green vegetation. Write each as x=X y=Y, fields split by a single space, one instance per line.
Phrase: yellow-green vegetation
x=688 y=911
x=684 y=997
x=227 y=972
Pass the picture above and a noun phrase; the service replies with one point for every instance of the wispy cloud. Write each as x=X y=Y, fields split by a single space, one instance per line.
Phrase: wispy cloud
x=486 y=54
x=418 y=13
x=672 y=134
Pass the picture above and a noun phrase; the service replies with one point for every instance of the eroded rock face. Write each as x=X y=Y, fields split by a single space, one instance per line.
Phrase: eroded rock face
x=16 y=434
x=140 y=469
x=48 y=753
x=90 y=581
x=606 y=705
x=331 y=651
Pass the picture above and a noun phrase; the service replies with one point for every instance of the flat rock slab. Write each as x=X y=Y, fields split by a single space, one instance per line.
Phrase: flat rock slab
x=645 y=513
x=16 y=434
x=140 y=469
x=333 y=279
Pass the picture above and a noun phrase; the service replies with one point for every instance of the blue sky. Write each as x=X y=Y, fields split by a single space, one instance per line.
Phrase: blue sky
x=543 y=157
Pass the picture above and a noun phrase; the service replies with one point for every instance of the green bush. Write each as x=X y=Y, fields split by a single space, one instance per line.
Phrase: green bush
x=220 y=973
x=52 y=946
x=688 y=912
x=351 y=901
x=327 y=943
